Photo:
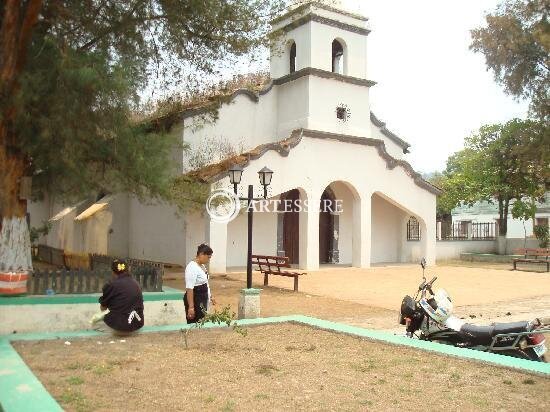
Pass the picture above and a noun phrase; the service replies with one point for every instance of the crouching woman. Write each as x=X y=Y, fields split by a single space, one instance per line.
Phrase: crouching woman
x=123 y=298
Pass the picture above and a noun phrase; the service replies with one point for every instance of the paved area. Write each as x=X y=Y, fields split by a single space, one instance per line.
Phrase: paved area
x=385 y=287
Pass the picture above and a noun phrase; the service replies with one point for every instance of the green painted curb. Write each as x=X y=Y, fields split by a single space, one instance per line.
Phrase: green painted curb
x=168 y=294
x=250 y=292
x=22 y=391
x=493 y=358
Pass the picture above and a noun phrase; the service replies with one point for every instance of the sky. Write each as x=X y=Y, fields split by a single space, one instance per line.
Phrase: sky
x=432 y=90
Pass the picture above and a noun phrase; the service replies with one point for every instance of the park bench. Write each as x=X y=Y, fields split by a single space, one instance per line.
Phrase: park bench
x=272 y=265
x=540 y=255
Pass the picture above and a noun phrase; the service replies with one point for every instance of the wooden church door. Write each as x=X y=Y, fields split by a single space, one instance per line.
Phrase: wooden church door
x=291 y=228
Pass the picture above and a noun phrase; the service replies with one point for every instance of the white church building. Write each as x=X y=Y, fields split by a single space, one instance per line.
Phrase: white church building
x=313 y=127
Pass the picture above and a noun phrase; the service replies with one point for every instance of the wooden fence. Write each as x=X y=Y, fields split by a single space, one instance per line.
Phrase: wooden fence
x=104 y=262
x=86 y=281
x=87 y=273
x=51 y=255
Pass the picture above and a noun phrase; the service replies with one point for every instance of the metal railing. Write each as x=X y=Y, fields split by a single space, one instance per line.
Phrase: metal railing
x=465 y=230
x=413 y=229
x=452 y=231
x=483 y=231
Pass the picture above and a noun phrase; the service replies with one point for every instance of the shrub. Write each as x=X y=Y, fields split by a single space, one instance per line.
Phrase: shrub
x=542 y=234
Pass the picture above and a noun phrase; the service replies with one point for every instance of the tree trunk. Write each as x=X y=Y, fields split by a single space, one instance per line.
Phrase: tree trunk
x=15 y=245
x=503 y=216
x=500 y=214
x=502 y=226
x=18 y=20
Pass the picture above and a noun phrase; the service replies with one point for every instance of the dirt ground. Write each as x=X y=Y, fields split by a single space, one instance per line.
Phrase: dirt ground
x=274 y=367
x=481 y=293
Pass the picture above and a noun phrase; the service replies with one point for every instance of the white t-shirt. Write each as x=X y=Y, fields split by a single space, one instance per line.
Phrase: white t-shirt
x=195 y=275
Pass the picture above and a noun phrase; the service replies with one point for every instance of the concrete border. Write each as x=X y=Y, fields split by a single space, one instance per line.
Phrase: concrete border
x=22 y=391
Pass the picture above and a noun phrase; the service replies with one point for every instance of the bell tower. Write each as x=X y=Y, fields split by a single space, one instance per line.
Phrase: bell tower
x=319 y=35
x=319 y=63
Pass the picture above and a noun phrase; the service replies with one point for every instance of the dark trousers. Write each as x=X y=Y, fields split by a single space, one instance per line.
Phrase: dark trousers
x=200 y=301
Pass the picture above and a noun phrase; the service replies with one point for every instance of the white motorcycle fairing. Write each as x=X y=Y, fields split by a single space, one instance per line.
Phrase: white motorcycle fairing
x=454 y=323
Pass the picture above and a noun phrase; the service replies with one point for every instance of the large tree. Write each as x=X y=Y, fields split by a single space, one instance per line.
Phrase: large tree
x=502 y=163
x=71 y=73
x=516 y=45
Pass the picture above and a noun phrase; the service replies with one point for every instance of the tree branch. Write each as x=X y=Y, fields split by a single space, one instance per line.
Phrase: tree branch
x=115 y=28
x=29 y=20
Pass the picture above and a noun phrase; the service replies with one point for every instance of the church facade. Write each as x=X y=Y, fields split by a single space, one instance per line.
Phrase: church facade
x=313 y=127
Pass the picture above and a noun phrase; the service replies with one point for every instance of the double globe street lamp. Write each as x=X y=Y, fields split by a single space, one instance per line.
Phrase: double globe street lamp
x=235 y=174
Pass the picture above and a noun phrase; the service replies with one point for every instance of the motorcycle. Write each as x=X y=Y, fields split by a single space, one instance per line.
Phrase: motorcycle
x=429 y=317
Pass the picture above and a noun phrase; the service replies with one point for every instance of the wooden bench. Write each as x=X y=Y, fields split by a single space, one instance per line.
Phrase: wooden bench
x=541 y=255
x=271 y=265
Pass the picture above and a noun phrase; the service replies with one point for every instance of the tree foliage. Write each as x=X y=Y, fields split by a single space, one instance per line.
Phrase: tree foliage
x=448 y=199
x=501 y=163
x=86 y=63
x=71 y=75
x=516 y=45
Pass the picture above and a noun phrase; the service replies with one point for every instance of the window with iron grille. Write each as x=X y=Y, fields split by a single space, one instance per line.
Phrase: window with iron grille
x=413 y=229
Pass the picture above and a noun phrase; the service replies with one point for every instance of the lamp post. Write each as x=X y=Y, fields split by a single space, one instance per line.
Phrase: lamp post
x=235 y=174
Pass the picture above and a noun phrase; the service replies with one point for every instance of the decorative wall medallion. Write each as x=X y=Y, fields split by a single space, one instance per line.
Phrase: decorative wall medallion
x=343 y=113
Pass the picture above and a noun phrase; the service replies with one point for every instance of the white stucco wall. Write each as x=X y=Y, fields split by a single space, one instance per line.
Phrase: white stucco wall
x=39 y=212
x=449 y=249
x=412 y=251
x=292 y=106
x=393 y=148
x=118 y=231
x=76 y=316
x=156 y=233
x=264 y=235
x=235 y=124
x=196 y=232
x=243 y=123
x=308 y=102
x=280 y=53
x=326 y=94
x=366 y=172
x=387 y=231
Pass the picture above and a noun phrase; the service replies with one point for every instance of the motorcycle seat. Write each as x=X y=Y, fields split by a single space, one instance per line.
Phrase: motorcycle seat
x=483 y=335
x=511 y=327
x=478 y=335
